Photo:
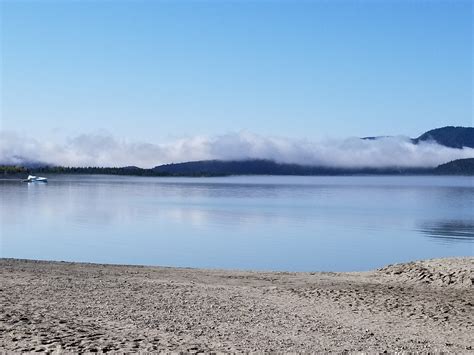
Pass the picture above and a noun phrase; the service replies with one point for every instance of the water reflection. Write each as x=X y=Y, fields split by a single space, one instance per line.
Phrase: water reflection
x=268 y=223
x=449 y=230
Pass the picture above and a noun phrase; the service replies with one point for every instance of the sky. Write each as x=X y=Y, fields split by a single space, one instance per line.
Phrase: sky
x=166 y=72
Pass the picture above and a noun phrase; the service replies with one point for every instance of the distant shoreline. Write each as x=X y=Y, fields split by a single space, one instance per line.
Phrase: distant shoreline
x=52 y=176
x=217 y=168
x=62 y=306
x=19 y=178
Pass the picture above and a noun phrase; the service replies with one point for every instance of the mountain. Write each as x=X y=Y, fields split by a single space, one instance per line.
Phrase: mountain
x=246 y=167
x=450 y=136
x=234 y=167
x=456 y=167
x=454 y=137
x=268 y=167
x=374 y=138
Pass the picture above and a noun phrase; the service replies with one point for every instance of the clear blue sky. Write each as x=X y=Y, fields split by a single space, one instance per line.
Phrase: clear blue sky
x=151 y=70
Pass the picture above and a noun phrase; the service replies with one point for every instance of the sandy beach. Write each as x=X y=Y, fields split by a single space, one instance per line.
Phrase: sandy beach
x=58 y=306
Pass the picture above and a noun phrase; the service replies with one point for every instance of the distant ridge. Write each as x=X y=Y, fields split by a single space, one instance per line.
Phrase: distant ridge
x=374 y=138
x=457 y=167
x=245 y=167
x=450 y=136
x=235 y=167
x=213 y=168
x=453 y=137
x=269 y=167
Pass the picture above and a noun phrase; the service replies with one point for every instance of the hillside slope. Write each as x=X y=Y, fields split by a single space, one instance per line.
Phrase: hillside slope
x=457 y=167
x=453 y=137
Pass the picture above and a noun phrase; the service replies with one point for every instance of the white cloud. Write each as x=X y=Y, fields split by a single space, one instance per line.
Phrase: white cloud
x=106 y=150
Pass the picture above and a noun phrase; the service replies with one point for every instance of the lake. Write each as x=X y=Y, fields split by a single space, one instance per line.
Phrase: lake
x=244 y=222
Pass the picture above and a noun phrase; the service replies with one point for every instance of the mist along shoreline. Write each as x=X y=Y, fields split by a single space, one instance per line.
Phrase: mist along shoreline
x=61 y=306
x=252 y=167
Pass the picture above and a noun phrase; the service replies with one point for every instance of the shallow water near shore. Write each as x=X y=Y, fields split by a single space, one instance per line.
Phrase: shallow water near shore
x=246 y=222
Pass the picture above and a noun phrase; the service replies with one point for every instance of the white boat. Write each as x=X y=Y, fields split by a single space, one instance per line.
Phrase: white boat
x=32 y=178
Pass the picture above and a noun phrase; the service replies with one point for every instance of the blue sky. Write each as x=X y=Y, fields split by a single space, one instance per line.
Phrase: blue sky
x=156 y=70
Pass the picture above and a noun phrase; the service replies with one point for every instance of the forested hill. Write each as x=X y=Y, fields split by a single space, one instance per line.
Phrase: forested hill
x=453 y=137
x=269 y=167
x=457 y=167
x=247 y=167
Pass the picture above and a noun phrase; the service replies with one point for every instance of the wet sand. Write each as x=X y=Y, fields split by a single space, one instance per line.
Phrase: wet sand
x=57 y=306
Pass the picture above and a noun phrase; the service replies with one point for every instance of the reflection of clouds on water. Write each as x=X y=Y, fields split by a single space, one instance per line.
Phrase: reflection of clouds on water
x=238 y=222
x=66 y=204
x=200 y=217
x=449 y=230
x=112 y=205
x=199 y=203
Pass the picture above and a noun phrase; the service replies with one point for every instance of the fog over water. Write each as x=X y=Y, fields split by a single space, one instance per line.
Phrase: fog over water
x=103 y=149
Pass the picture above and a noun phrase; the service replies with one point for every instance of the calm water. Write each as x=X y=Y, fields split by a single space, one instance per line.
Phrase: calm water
x=271 y=223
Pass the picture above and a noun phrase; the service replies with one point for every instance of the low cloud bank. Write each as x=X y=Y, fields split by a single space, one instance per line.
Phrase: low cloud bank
x=106 y=150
